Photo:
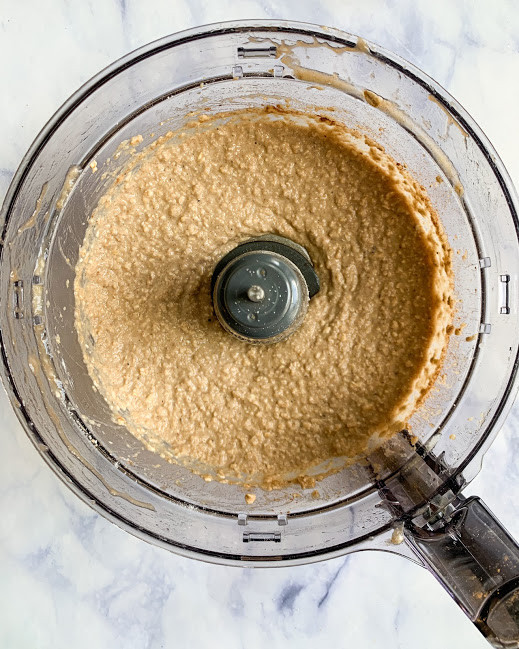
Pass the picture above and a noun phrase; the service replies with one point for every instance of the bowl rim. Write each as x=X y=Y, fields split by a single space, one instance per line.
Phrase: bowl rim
x=343 y=38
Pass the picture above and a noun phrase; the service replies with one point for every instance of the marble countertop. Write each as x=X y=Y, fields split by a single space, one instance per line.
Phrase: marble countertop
x=69 y=578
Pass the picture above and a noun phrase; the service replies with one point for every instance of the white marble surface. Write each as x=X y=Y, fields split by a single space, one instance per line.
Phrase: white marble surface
x=68 y=578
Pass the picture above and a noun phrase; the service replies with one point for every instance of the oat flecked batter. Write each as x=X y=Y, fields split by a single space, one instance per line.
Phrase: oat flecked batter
x=370 y=345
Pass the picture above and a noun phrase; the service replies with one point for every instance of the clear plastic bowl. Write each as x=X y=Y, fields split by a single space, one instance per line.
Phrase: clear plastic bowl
x=229 y=67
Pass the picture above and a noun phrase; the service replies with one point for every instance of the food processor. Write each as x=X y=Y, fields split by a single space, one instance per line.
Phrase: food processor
x=406 y=496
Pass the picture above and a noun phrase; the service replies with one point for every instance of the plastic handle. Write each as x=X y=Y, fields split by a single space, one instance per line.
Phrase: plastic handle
x=477 y=562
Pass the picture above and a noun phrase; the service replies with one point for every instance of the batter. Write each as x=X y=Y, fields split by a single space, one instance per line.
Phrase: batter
x=371 y=342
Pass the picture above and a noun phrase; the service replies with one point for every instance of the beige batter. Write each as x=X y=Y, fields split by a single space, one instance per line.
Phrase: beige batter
x=370 y=345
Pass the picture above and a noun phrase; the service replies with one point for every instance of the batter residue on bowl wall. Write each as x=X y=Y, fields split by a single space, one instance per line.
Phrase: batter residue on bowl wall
x=371 y=343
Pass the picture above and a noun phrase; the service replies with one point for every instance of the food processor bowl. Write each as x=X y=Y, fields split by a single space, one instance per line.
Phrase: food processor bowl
x=405 y=497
